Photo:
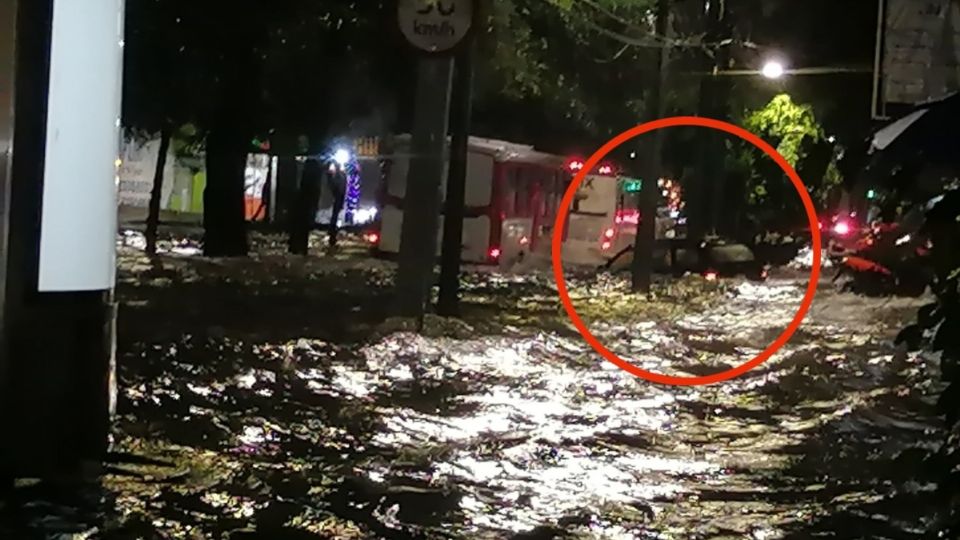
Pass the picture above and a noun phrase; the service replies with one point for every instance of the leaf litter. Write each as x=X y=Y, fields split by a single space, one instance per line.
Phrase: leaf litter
x=274 y=408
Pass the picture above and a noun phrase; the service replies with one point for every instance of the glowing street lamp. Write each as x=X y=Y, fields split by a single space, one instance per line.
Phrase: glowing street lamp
x=341 y=156
x=773 y=69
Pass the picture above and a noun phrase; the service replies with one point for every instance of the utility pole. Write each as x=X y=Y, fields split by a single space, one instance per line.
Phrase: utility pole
x=643 y=249
x=713 y=98
x=58 y=211
x=421 y=201
x=719 y=111
x=435 y=28
x=448 y=303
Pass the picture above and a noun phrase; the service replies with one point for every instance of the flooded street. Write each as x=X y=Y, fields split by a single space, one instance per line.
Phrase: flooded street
x=526 y=433
x=539 y=432
x=305 y=413
x=366 y=270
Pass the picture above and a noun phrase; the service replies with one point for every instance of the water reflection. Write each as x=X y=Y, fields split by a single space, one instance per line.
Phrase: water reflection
x=548 y=436
x=495 y=435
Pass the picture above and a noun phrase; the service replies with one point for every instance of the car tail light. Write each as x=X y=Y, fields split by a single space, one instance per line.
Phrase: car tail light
x=842 y=228
x=524 y=240
x=494 y=253
x=605 y=245
x=609 y=233
x=710 y=275
x=630 y=217
x=372 y=238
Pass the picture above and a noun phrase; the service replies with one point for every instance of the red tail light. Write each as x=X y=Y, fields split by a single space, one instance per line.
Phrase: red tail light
x=524 y=241
x=372 y=238
x=494 y=253
x=842 y=228
x=630 y=217
x=605 y=245
x=710 y=275
x=609 y=233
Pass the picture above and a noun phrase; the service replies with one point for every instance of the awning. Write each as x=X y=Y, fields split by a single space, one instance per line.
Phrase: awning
x=883 y=138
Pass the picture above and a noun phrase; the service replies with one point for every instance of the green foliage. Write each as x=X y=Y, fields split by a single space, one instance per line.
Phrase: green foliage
x=556 y=61
x=188 y=142
x=316 y=66
x=793 y=129
x=788 y=123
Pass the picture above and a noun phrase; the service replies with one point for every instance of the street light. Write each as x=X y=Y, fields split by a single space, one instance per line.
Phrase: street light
x=776 y=70
x=341 y=156
x=773 y=69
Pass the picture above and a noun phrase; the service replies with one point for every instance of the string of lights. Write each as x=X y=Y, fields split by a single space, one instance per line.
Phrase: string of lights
x=352 y=204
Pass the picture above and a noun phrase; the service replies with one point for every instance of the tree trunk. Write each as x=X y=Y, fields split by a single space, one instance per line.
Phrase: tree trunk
x=288 y=180
x=153 y=215
x=643 y=265
x=224 y=222
x=304 y=217
x=448 y=302
x=418 y=234
x=714 y=103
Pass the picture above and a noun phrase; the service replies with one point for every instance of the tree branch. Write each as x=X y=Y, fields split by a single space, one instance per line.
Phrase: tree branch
x=650 y=39
x=616 y=56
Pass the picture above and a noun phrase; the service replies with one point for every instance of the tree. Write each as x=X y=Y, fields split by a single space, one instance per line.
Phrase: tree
x=153 y=214
x=156 y=97
x=642 y=268
x=555 y=76
x=327 y=70
x=794 y=131
x=558 y=71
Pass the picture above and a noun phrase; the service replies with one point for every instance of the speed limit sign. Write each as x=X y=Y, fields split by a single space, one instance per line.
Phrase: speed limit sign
x=435 y=25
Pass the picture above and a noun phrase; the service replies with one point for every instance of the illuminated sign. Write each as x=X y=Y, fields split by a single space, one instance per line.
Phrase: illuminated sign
x=631 y=185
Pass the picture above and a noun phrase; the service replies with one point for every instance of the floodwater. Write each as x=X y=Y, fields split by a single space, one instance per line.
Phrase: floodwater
x=540 y=433
x=532 y=435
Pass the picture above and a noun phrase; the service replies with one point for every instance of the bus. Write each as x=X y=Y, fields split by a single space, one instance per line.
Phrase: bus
x=669 y=223
x=594 y=207
x=512 y=196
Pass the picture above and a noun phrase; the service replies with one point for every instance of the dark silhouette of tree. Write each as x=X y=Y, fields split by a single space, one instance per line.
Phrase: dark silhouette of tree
x=238 y=69
x=157 y=97
x=153 y=214
x=563 y=75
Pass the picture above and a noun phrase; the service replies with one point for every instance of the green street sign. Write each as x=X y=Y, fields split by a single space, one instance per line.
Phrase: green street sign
x=631 y=185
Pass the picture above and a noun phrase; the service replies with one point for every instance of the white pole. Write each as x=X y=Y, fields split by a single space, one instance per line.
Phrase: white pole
x=878 y=55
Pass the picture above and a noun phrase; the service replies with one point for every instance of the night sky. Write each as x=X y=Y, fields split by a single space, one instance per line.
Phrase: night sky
x=821 y=33
x=805 y=33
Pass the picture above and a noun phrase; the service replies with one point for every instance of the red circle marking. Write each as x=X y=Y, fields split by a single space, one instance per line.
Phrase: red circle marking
x=595 y=159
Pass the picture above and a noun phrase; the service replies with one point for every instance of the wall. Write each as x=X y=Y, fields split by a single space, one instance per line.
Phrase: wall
x=921 y=46
x=138 y=163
